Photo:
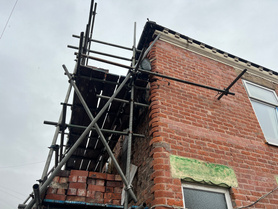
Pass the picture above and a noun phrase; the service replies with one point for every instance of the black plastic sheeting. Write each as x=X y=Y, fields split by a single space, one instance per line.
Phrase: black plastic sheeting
x=92 y=82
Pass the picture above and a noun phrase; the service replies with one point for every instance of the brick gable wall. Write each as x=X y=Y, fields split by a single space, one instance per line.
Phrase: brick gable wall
x=189 y=121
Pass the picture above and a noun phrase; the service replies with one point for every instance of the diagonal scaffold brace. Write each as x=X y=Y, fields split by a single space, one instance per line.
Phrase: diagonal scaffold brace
x=43 y=187
x=226 y=91
x=102 y=138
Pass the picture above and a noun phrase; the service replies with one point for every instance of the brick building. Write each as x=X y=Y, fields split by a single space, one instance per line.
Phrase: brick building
x=199 y=145
x=197 y=151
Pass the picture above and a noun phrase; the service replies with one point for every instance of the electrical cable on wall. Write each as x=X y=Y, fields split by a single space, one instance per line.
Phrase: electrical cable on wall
x=262 y=197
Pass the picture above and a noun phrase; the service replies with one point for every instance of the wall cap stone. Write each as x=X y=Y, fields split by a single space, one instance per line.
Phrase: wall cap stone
x=203 y=172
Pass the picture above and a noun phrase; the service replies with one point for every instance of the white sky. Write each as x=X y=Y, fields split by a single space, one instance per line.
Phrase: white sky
x=33 y=48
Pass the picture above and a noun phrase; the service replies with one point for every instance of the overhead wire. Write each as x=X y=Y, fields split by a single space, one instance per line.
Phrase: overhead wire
x=6 y=192
x=8 y=19
x=5 y=188
x=6 y=202
x=14 y=166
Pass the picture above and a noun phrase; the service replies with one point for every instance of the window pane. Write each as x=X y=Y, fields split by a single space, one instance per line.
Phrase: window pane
x=200 y=199
x=261 y=93
x=268 y=120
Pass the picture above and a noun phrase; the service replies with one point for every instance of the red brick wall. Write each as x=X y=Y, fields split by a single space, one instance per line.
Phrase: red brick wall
x=84 y=186
x=189 y=121
x=141 y=157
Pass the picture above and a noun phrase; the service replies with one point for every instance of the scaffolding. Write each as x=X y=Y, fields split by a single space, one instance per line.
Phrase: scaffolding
x=105 y=106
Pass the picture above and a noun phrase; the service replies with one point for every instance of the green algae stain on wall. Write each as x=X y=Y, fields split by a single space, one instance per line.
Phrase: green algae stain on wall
x=187 y=168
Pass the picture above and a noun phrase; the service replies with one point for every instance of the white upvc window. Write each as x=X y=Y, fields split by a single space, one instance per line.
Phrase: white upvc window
x=265 y=103
x=197 y=196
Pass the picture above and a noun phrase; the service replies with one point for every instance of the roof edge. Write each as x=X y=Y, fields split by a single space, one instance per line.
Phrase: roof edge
x=151 y=30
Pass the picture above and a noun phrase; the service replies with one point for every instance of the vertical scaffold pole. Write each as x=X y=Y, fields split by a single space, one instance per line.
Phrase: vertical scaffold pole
x=63 y=127
x=54 y=141
x=129 y=142
x=91 y=23
x=102 y=138
x=79 y=141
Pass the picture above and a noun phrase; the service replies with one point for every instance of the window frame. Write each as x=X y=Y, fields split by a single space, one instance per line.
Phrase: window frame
x=262 y=87
x=209 y=188
x=262 y=101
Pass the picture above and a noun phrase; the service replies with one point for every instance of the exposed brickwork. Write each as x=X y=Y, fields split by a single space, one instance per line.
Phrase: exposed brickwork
x=55 y=197
x=189 y=121
x=141 y=157
x=84 y=186
x=142 y=182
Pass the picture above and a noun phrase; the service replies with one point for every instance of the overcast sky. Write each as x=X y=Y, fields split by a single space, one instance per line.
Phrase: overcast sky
x=34 y=46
